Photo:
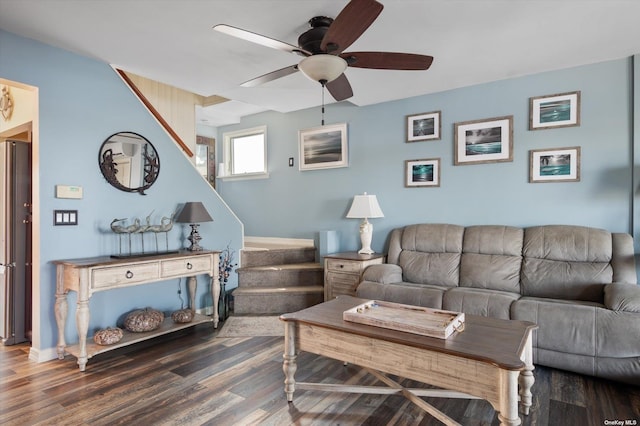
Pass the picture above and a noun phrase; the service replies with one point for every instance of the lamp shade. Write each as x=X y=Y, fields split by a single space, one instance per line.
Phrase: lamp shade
x=365 y=206
x=322 y=68
x=194 y=212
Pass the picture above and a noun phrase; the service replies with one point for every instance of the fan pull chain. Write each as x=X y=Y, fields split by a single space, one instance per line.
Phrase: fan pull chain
x=322 y=104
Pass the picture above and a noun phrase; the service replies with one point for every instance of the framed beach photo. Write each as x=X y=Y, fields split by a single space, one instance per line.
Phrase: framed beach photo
x=323 y=147
x=421 y=173
x=484 y=141
x=423 y=127
x=554 y=165
x=551 y=111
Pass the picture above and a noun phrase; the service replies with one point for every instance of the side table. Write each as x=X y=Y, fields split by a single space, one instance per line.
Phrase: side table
x=343 y=272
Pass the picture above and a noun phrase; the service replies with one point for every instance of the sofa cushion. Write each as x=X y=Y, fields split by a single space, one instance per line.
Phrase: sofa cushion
x=407 y=293
x=431 y=254
x=491 y=257
x=622 y=297
x=475 y=301
x=566 y=262
x=564 y=326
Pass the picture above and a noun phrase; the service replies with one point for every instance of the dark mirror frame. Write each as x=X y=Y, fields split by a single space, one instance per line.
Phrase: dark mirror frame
x=109 y=164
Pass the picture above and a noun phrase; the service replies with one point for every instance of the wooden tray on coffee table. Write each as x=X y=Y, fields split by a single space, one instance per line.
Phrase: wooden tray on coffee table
x=407 y=318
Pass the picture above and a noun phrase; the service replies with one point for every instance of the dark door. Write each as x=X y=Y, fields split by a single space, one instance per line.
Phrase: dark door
x=16 y=276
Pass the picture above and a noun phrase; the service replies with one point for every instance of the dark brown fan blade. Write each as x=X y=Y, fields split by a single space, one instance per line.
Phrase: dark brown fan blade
x=340 y=88
x=387 y=60
x=350 y=23
x=260 y=39
x=273 y=75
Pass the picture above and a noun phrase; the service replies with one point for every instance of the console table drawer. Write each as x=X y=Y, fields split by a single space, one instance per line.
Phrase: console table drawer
x=193 y=265
x=343 y=266
x=122 y=276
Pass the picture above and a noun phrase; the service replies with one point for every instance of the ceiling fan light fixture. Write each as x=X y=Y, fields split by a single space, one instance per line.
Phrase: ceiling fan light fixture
x=322 y=68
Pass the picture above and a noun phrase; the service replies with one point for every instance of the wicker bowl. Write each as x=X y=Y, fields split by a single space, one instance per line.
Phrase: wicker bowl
x=142 y=320
x=182 y=316
x=108 y=336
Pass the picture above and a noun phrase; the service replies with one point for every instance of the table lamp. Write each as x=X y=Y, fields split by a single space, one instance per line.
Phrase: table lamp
x=194 y=213
x=364 y=207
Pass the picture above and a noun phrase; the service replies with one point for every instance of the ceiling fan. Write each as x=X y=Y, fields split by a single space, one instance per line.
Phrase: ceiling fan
x=323 y=49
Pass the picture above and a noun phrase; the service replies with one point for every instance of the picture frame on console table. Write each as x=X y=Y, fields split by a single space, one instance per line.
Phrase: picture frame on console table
x=424 y=127
x=554 y=165
x=553 y=111
x=324 y=147
x=422 y=173
x=483 y=141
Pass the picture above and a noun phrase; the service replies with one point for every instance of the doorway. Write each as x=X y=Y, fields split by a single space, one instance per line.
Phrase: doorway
x=15 y=253
x=19 y=216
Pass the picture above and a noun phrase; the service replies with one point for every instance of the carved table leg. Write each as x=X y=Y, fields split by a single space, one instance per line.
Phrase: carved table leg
x=215 y=292
x=82 y=318
x=61 y=309
x=509 y=398
x=526 y=378
x=192 y=285
x=289 y=365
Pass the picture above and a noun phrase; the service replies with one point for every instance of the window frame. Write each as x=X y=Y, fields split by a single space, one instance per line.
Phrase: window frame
x=227 y=140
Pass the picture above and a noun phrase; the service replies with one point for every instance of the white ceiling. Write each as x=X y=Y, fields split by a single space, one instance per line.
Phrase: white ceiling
x=473 y=41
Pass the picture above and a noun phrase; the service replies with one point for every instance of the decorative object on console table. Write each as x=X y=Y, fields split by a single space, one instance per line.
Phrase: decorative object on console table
x=364 y=207
x=343 y=272
x=194 y=213
x=225 y=266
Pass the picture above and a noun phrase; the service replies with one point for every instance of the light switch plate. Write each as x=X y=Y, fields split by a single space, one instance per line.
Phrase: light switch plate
x=65 y=217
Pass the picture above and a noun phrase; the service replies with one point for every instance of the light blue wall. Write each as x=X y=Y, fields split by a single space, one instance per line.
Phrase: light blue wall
x=82 y=102
x=298 y=204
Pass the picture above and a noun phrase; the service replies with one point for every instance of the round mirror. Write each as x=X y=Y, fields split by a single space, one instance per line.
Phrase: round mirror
x=129 y=162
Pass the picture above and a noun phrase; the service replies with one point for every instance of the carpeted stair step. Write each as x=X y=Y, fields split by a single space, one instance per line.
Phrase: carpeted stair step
x=275 y=300
x=288 y=275
x=277 y=256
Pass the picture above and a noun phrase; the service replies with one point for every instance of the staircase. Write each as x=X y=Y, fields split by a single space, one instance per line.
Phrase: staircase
x=278 y=279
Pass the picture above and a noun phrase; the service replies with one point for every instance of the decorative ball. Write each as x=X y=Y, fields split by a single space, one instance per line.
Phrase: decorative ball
x=182 y=316
x=141 y=320
x=108 y=336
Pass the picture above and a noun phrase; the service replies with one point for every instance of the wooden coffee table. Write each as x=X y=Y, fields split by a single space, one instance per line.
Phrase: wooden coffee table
x=488 y=360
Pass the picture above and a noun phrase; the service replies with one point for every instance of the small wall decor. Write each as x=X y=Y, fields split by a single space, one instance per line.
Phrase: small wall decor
x=6 y=103
x=421 y=173
x=554 y=165
x=484 y=141
x=551 y=111
x=424 y=127
x=323 y=147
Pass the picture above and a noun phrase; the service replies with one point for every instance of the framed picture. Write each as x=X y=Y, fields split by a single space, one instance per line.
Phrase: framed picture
x=323 y=147
x=550 y=111
x=484 y=141
x=423 y=127
x=554 y=165
x=420 y=173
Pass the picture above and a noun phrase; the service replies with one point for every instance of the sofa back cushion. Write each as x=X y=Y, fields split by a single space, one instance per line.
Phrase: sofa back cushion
x=430 y=254
x=492 y=257
x=566 y=262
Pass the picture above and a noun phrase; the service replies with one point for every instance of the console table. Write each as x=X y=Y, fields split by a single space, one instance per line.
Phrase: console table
x=90 y=275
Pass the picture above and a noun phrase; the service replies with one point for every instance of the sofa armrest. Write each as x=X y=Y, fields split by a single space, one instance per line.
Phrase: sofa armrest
x=622 y=297
x=384 y=274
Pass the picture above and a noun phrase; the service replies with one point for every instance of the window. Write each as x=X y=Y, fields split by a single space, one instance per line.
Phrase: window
x=245 y=153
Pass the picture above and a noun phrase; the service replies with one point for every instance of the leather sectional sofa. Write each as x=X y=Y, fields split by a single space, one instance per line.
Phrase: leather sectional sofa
x=578 y=284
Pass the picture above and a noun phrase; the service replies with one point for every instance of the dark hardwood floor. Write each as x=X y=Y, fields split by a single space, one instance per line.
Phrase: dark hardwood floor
x=194 y=378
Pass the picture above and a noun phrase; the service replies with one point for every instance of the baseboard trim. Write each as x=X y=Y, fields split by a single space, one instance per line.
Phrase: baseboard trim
x=43 y=355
